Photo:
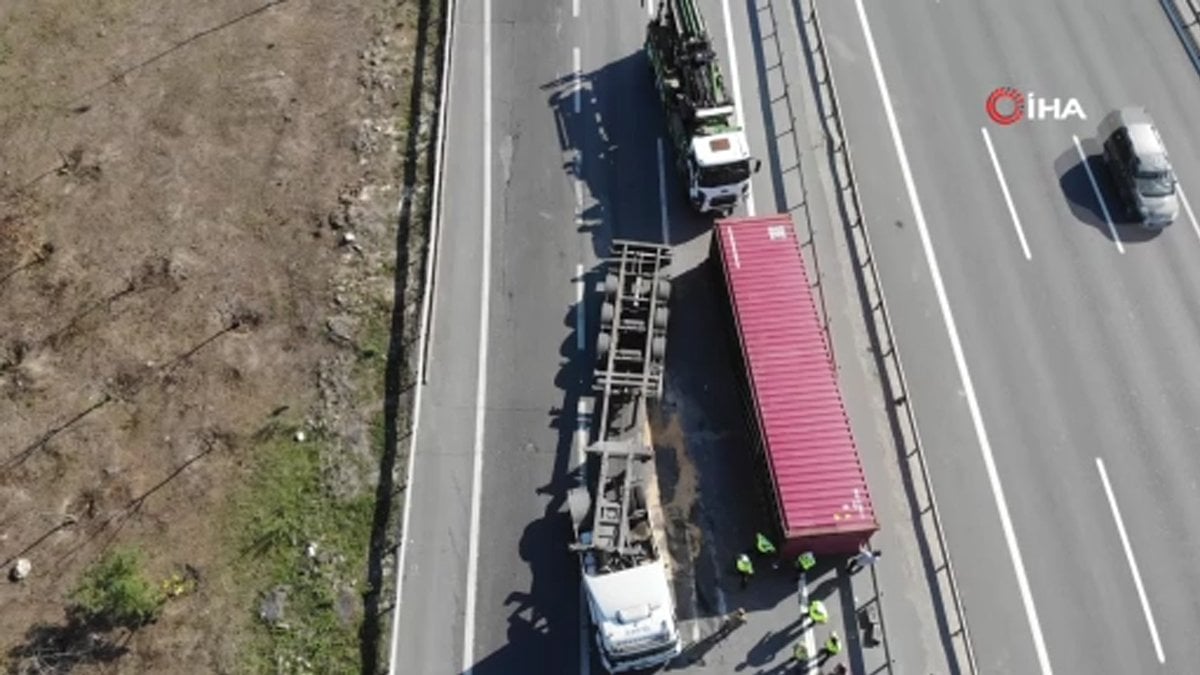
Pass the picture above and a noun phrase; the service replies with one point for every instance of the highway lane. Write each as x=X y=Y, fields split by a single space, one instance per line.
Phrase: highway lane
x=428 y=630
x=526 y=615
x=527 y=612
x=555 y=156
x=757 y=44
x=1079 y=353
x=609 y=142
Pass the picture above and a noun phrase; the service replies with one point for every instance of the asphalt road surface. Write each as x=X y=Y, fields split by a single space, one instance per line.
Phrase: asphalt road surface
x=1080 y=355
x=553 y=149
x=571 y=160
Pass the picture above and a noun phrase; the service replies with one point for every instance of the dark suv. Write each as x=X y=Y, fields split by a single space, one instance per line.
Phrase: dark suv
x=1138 y=160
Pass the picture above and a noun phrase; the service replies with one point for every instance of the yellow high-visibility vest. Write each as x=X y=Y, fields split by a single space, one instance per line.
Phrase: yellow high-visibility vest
x=817 y=612
x=834 y=644
x=764 y=545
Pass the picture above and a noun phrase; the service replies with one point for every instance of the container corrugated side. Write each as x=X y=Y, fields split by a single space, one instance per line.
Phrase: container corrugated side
x=803 y=433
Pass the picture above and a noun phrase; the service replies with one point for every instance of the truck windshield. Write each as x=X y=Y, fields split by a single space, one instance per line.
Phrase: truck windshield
x=1155 y=183
x=725 y=174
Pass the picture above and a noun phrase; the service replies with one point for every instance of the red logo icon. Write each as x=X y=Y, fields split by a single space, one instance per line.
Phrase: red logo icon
x=1016 y=101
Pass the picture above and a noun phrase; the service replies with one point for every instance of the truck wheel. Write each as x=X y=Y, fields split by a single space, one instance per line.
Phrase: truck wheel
x=664 y=290
x=607 y=313
x=661 y=317
x=658 y=348
x=610 y=283
x=603 y=344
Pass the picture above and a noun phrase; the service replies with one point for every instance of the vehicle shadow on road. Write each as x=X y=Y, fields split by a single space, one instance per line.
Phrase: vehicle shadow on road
x=544 y=622
x=1081 y=197
x=610 y=145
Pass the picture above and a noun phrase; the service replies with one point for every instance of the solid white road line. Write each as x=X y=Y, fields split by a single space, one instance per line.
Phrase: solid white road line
x=578 y=79
x=810 y=642
x=1012 y=210
x=1187 y=206
x=583 y=422
x=485 y=291
x=1133 y=568
x=579 y=309
x=1099 y=196
x=649 y=8
x=737 y=88
x=960 y=359
x=662 y=194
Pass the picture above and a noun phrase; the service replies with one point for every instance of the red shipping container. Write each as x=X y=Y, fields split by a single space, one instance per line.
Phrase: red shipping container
x=797 y=419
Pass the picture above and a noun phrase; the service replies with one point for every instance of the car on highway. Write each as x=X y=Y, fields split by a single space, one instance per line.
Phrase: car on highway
x=1140 y=167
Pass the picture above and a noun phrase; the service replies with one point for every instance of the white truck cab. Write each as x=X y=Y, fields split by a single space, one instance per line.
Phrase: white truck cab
x=719 y=170
x=633 y=615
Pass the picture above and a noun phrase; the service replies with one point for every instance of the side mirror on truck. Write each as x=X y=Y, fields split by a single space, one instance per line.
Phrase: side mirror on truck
x=757 y=165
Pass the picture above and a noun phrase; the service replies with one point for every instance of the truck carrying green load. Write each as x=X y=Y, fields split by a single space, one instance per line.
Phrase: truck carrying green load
x=711 y=151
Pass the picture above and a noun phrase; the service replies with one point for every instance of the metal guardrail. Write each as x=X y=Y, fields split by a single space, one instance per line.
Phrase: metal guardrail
x=435 y=203
x=904 y=400
x=425 y=329
x=1179 y=11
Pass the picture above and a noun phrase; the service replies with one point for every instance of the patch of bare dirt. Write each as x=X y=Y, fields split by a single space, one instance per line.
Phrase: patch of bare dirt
x=680 y=487
x=177 y=180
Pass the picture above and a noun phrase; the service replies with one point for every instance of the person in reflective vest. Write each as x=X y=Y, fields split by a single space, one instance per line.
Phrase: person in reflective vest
x=800 y=652
x=805 y=562
x=833 y=646
x=817 y=612
x=745 y=568
x=764 y=545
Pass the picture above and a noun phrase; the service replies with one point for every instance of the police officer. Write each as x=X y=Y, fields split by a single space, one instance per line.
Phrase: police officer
x=745 y=568
x=833 y=646
x=764 y=545
x=817 y=612
x=805 y=562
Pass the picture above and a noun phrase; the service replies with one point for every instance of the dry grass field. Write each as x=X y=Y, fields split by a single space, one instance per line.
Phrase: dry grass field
x=199 y=263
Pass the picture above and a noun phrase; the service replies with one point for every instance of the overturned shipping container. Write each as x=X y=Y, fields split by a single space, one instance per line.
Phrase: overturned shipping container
x=797 y=421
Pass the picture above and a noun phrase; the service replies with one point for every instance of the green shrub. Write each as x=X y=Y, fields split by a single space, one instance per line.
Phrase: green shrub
x=114 y=592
